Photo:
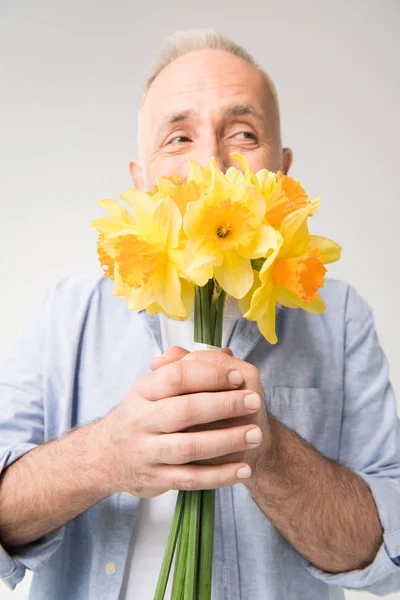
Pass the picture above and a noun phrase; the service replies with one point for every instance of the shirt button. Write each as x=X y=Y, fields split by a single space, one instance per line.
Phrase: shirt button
x=111 y=568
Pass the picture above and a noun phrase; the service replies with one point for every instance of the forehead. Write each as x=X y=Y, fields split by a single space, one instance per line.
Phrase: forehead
x=203 y=81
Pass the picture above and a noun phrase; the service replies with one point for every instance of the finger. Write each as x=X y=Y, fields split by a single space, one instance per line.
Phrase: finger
x=250 y=372
x=174 y=414
x=182 y=448
x=225 y=355
x=176 y=353
x=227 y=350
x=186 y=377
x=171 y=355
x=199 y=477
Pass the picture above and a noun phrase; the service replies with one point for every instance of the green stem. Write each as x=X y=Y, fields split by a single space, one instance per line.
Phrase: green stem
x=178 y=546
x=193 y=546
x=198 y=330
x=170 y=549
x=178 y=584
x=192 y=533
x=206 y=545
x=219 y=320
x=205 y=316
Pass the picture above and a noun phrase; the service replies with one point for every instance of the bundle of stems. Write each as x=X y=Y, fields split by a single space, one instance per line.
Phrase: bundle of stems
x=191 y=537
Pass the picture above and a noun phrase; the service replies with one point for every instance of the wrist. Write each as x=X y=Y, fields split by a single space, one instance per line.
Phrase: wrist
x=98 y=455
x=267 y=462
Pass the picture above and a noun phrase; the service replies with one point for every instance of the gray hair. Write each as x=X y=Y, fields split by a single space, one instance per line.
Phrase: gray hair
x=184 y=42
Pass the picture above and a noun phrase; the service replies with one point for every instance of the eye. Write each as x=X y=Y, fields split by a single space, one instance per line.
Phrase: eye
x=179 y=139
x=247 y=135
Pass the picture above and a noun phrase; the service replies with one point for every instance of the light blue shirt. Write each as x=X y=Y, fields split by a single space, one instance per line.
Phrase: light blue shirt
x=327 y=378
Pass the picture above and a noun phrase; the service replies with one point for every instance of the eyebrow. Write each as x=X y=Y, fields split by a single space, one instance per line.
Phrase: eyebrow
x=234 y=110
x=238 y=110
x=175 y=118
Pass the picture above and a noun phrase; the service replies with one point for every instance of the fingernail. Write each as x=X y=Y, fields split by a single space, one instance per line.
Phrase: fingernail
x=235 y=377
x=253 y=436
x=252 y=401
x=243 y=472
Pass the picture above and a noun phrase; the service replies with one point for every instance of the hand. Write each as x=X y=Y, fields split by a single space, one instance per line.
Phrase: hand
x=257 y=456
x=144 y=448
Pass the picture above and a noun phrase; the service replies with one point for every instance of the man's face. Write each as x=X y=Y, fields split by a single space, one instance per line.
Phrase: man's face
x=207 y=103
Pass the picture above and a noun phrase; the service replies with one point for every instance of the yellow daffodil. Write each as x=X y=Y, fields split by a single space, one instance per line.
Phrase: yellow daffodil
x=181 y=191
x=202 y=176
x=225 y=231
x=120 y=218
x=291 y=275
x=147 y=254
x=283 y=194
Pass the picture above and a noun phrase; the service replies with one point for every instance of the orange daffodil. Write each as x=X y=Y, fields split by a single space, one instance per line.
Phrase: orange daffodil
x=246 y=230
x=292 y=274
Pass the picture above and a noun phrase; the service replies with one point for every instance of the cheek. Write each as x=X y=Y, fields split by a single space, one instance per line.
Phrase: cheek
x=264 y=157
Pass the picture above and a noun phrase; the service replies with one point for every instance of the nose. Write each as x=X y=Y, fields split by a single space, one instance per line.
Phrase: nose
x=211 y=147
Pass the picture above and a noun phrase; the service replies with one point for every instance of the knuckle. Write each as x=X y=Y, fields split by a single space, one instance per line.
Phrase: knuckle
x=252 y=371
x=232 y=404
x=165 y=451
x=220 y=479
x=176 y=374
x=215 y=374
x=183 y=481
x=187 y=447
x=189 y=481
x=187 y=410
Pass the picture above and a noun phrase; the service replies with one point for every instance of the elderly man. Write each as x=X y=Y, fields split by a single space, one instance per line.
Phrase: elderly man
x=94 y=447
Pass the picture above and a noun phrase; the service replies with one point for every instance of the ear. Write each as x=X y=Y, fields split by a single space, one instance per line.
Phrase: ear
x=287 y=159
x=136 y=171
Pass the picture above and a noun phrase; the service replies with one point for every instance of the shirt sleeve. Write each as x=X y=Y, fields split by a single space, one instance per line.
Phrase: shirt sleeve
x=22 y=430
x=370 y=446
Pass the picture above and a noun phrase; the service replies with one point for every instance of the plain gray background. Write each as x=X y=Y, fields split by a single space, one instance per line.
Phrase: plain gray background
x=70 y=79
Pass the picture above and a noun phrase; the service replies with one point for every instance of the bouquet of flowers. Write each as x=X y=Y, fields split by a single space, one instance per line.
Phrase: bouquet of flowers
x=187 y=245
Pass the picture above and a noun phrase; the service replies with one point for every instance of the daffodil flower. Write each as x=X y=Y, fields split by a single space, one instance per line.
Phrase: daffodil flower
x=283 y=194
x=182 y=192
x=291 y=275
x=147 y=254
x=225 y=231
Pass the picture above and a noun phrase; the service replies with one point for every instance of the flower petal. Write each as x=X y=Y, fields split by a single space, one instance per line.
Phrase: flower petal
x=294 y=229
x=197 y=276
x=245 y=302
x=199 y=174
x=167 y=291
x=219 y=187
x=251 y=197
x=121 y=289
x=241 y=160
x=201 y=253
x=235 y=275
x=106 y=225
x=265 y=241
x=328 y=249
x=116 y=210
x=234 y=176
x=263 y=310
x=167 y=222
x=142 y=205
x=291 y=300
x=315 y=205
x=139 y=298
x=267 y=324
x=265 y=271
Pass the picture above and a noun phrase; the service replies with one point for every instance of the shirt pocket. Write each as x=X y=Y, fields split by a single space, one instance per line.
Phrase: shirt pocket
x=314 y=413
